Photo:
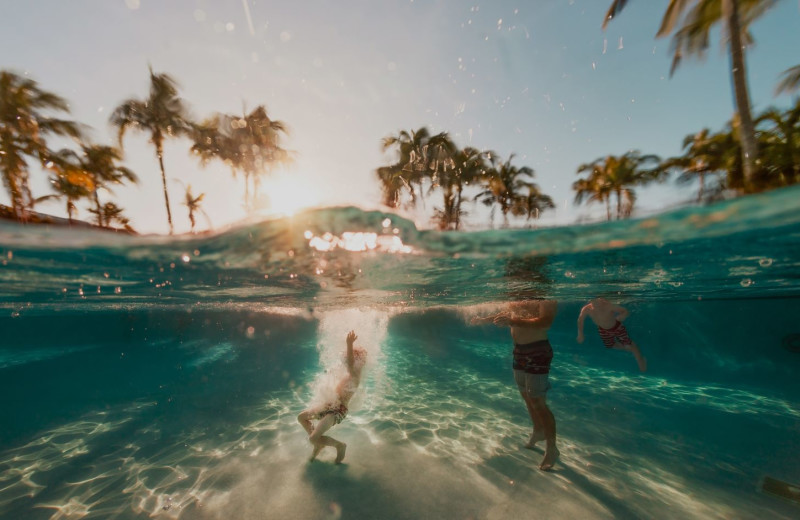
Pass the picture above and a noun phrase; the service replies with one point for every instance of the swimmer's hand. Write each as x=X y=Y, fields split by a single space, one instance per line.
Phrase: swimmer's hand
x=501 y=320
x=351 y=337
x=580 y=338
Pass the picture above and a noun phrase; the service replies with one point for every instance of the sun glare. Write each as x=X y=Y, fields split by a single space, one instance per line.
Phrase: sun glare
x=287 y=194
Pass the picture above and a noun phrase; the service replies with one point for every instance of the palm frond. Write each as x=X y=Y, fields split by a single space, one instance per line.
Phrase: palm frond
x=616 y=7
x=790 y=81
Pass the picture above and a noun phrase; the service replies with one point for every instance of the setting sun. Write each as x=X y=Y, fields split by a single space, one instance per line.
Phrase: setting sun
x=286 y=194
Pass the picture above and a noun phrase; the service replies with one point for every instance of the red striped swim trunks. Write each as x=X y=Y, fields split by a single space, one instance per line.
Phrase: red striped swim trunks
x=616 y=333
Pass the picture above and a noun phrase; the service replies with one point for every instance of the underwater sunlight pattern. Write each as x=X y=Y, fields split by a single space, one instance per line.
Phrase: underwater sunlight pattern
x=155 y=377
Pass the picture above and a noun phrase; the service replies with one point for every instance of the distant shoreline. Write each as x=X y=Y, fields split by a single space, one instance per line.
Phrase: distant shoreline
x=36 y=218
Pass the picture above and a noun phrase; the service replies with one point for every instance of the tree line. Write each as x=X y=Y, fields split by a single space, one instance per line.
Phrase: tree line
x=249 y=145
x=712 y=159
x=428 y=165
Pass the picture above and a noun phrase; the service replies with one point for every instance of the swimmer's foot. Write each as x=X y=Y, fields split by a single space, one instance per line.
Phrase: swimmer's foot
x=340 y=449
x=314 y=453
x=535 y=437
x=549 y=460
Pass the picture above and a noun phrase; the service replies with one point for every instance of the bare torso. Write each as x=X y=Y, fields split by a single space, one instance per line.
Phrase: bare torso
x=345 y=389
x=530 y=309
x=348 y=385
x=602 y=312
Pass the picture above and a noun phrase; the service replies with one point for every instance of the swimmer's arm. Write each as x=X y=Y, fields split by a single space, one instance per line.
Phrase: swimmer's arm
x=621 y=312
x=547 y=313
x=351 y=338
x=581 y=319
x=479 y=320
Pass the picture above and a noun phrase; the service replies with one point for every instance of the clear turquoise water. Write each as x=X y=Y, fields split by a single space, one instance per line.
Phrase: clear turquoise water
x=147 y=377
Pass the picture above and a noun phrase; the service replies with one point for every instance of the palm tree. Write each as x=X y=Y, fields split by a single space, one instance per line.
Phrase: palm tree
x=532 y=204
x=193 y=204
x=163 y=114
x=93 y=169
x=690 y=21
x=410 y=170
x=100 y=162
x=69 y=179
x=701 y=158
x=111 y=213
x=593 y=189
x=618 y=175
x=23 y=129
x=471 y=165
x=249 y=144
x=781 y=144
x=511 y=189
x=439 y=155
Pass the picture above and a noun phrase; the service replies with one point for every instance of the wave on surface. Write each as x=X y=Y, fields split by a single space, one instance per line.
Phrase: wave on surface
x=339 y=257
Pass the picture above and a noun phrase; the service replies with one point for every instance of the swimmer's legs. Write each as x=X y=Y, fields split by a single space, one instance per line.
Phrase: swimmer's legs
x=305 y=421
x=538 y=433
x=544 y=417
x=633 y=348
x=319 y=440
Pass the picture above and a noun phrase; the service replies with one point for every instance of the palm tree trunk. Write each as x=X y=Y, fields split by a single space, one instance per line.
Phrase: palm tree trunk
x=13 y=192
x=160 y=154
x=619 y=204
x=458 y=206
x=702 y=178
x=747 y=132
x=608 y=207
x=97 y=206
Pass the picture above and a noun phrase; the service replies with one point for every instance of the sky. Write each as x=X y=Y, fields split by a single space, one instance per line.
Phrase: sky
x=540 y=80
